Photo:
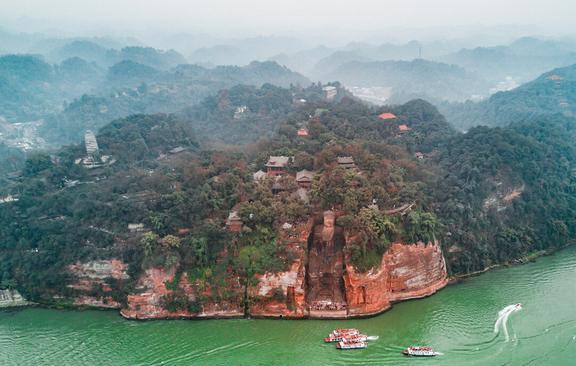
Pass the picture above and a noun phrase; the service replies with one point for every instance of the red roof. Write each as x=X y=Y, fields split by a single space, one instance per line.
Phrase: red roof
x=404 y=128
x=302 y=132
x=387 y=116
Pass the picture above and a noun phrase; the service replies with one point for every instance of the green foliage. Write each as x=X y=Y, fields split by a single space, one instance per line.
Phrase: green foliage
x=37 y=163
x=421 y=226
x=553 y=93
x=486 y=191
x=149 y=243
x=376 y=233
x=171 y=242
x=178 y=301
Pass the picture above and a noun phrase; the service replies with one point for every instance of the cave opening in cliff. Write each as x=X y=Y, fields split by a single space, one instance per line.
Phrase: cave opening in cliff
x=325 y=290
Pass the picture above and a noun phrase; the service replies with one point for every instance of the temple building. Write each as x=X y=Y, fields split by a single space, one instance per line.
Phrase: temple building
x=330 y=92
x=346 y=162
x=387 y=115
x=302 y=132
x=91 y=143
x=304 y=178
x=277 y=165
x=234 y=222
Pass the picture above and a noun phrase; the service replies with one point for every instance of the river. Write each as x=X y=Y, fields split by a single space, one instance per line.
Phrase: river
x=458 y=321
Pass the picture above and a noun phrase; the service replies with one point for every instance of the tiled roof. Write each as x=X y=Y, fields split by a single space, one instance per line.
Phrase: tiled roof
x=278 y=161
x=304 y=175
x=387 y=115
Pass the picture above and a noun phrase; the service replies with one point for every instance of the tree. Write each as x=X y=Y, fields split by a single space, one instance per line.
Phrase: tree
x=249 y=260
x=149 y=242
x=171 y=242
x=36 y=164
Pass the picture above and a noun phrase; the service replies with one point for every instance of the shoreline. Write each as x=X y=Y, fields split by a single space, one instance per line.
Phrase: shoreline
x=528 y=258
x=451 y=280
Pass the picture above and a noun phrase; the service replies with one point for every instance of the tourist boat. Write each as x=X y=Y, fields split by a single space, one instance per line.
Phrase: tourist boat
x=346 y=338
x=351 y=345
x=345 y=331
x=418 y=351
x=340 y=333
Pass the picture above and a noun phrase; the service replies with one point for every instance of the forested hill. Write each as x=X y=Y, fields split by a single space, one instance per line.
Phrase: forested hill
x=76 y=95
x=552 y=93
x=489 y=196
x=410 y=79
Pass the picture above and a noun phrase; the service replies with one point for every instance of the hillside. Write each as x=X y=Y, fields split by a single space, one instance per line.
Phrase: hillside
x=76 y=94
x=189 y=230
x=136 y=88
x=552 y=93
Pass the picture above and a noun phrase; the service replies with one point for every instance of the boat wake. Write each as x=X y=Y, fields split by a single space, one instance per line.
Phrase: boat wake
x=502 y=321
x=372 y=338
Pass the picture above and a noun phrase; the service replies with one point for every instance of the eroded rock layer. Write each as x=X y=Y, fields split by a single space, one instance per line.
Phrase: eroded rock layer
x=149 y=300
x=406 y=272
x=284 y=294
x=93 y=282
x=319 y=283
x=12 y=298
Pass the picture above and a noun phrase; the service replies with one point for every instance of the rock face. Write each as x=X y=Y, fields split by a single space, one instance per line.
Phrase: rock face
x=147 y=302
x=325 y=295
x=12 y=298
x=283 y=294
x=406 y=272
x=319 y=283
x=93 y=282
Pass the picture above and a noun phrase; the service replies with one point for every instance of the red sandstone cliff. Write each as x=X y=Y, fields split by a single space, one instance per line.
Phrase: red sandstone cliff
x=91 y=282
x=319 y=283
x=283 y=294
x=406 y=272
x=146 y=303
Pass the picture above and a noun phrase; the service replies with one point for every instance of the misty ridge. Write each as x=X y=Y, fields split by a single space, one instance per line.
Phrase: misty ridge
x=53 y=88
x=292 y=160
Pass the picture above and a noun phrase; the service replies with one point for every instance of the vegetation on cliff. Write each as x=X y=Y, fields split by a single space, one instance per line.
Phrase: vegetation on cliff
x=488 y=196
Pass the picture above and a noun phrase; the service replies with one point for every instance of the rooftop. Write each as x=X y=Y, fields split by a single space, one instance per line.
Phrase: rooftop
x=278 y=161
x=302 y=132
x=304 y=175
x=345 y=160
x=259 y=175
x=387 y=115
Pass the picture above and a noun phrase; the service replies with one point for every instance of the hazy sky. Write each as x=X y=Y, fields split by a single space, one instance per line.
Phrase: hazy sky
x=269 y=16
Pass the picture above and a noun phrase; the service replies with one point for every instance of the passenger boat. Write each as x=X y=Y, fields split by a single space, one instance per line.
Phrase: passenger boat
x=345 y=331
x=351 y=345
x=418 y=351
x=339 y=334
x=346 y=338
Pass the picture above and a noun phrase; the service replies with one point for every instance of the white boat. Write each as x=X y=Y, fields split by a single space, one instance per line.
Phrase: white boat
x=351 y=345
x=346 y=338
x=419 y=351
x=340 y=333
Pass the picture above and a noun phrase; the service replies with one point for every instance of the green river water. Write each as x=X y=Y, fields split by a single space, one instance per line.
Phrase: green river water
x=458 y=321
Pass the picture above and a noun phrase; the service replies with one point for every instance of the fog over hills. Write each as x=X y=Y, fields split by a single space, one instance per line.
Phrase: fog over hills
x=294 y=159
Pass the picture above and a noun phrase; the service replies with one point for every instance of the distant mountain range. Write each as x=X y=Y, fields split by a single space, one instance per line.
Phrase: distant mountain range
x=412 y=79
x=552 y=93
x=523 y=59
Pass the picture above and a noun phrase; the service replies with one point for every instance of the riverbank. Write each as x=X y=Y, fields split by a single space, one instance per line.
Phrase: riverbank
x=457 y=321
x=12 y=299
x=18 y=301
x=530 y=257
